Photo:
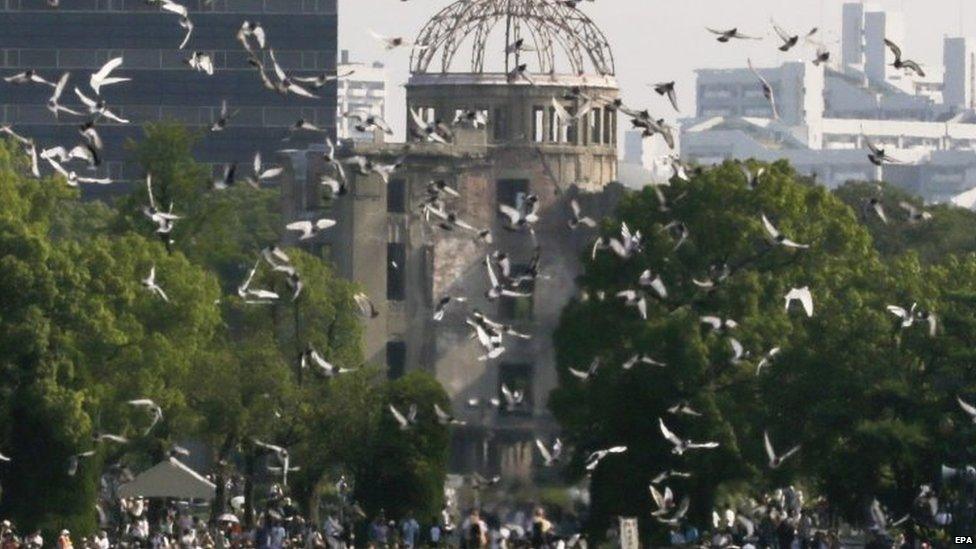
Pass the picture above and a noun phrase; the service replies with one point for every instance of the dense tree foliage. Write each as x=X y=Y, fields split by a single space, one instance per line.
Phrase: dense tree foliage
x=949 y=231
x=404 y=469
x=872 y=405
x=80 y=337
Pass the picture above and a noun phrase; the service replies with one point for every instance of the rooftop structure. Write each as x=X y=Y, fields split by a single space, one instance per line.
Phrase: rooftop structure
x=550 y=31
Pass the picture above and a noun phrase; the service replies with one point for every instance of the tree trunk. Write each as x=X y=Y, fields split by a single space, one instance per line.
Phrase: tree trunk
x=219 y=505
x=312 y=505
x=250 y=462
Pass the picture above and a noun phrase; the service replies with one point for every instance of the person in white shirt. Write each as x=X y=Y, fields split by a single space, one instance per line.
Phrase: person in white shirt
x=434 y=536
x=101 y=540
x=35 y=541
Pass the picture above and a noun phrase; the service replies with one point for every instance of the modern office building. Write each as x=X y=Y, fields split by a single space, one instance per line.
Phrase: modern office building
x=81 y=35
x=406 y=263
x=362 y=88
x=829 y=112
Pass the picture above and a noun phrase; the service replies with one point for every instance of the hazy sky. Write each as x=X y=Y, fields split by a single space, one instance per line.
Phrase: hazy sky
x=655 y=40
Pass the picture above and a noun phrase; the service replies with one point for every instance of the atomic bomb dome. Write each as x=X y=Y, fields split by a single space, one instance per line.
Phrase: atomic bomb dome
x=547 y=35
x=537 y=74
x=512 y=105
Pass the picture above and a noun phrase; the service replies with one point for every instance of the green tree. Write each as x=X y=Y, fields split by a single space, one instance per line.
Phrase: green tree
x=818 y=381
x=80 y=337
x=405 y=468
x=949 y=231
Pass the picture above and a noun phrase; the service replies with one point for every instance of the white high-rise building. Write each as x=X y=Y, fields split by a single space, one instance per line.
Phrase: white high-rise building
x=879 y=25
x=828 y=113
x=959 y=58
x=364 y=90
x=852 y=35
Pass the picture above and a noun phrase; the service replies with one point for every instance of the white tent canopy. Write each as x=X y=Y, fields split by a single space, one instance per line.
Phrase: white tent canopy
x=169 y=479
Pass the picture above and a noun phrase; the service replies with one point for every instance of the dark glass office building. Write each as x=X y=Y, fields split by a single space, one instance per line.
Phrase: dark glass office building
x=81 y=35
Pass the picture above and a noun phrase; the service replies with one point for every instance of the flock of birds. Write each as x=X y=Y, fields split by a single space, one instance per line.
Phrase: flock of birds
x=438 y=210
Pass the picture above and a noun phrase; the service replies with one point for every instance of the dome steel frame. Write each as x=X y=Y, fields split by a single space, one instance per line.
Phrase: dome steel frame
x=545 y=25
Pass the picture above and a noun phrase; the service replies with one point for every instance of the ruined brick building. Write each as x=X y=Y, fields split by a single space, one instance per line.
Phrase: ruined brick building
x=405 y=263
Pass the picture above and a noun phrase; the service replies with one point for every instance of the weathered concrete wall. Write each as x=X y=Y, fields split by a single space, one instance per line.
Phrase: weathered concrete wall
x=453 y=262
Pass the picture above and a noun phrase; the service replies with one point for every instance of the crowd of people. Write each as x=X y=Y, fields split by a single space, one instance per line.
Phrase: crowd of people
x=781 y=519
x=280 y=526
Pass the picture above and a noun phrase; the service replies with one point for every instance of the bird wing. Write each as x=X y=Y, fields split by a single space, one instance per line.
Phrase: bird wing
x=673 y=98
x=966 y=407
x=871 y=146
x=325 y=223
x=441 y=414
x=770 y=229
x=90 y=103
x=618 y=248
x=783 y=35
x=657 y=284
x=378 y=36
x=893 y=47
x=188 y=25
x=491 y=272
x=382 y=124
x=400 y=418
x=543 y=450
x=302 y=226
x=713 y=321
x=770 y=452
x=897 y=311
x=737 y=348
x=299 y=90
x=510 y=212
x=909 y=64
x=668 y=435
x=642 y=307
x=173 y=7
x=106 y=69
x=625 y=232
x=755 y=72
x=790 y=452
x=578 y=373
x=262 y=294
x=415 y=116
x=658 y=497
x=806 y=298
x=59 y=88
x=483 y=338
x=561 y=113
x=908 y=207
x=279 y=72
